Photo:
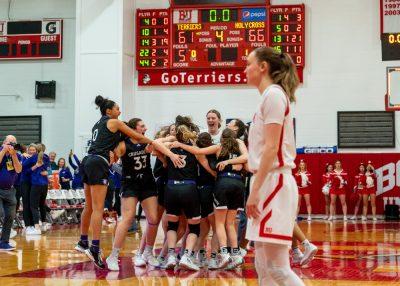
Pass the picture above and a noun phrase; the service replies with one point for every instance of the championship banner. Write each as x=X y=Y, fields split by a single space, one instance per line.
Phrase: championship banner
x=387 y=168
x=390 y=16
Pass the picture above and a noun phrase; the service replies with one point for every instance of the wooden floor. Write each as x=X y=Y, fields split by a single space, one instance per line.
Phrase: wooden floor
x=349 y=254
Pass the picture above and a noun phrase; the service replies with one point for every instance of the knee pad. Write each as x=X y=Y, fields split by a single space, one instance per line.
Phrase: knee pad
x=194 y=228
x=173 y=226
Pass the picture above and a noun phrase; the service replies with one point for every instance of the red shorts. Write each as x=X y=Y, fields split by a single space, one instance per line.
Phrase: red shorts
x=338 y=192
x=369 y=191
x=304 y=191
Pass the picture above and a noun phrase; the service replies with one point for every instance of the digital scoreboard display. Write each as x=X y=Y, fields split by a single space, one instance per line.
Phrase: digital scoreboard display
x=31 y=39
x=286 y=30
x=153 y=39
x=221 y=37
x=390 y=46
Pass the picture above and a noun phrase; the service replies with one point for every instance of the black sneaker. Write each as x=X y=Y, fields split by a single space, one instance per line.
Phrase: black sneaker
x=96 y=257
x=81 y=247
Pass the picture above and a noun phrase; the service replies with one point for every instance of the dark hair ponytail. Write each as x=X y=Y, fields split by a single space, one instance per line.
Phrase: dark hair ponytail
x=104 y=104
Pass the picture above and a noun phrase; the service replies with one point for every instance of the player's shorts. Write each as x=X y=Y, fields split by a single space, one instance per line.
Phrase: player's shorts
x=140 y=189
x=160 y=185
x=206 y=194
x=94 y=170
x=182 y=197
x=278 y=206
x=229 y=193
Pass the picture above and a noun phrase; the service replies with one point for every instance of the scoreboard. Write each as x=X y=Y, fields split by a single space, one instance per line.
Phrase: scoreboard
x=152 y=44
x=207 y=38
x=199 y=38
x=31 y=39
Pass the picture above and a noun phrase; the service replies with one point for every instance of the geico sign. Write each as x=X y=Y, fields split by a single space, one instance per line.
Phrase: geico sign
x=319 y=150
x=388 y=177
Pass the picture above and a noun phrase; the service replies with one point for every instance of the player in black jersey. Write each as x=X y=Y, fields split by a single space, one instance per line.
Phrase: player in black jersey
x=138 y=185
x=229 y=192
x=106 y=134
x=205 y=187
x=181 y=197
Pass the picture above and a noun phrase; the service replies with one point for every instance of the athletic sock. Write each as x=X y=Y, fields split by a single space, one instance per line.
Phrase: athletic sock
x=95 y=247
x=305 y=242
x=115 y=252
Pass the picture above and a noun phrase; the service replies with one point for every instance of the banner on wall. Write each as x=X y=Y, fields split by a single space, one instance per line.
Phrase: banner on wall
x=390 y=16
x=387 y=168
x=317 y=150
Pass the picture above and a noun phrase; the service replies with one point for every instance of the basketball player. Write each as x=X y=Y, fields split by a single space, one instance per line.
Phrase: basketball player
x=106 y=134
x=272 y=204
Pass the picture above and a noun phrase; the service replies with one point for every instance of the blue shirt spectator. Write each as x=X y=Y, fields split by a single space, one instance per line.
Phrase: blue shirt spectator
x=39 y=172
x=8 y=173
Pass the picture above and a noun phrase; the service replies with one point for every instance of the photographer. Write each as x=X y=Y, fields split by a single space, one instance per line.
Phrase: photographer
x=10 y=165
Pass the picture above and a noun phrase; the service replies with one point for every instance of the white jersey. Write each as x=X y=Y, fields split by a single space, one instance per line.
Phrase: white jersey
x=215 y=138
x=274 y=108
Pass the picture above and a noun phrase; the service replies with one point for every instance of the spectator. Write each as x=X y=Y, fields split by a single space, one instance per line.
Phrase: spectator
x=77 y=179
x=10 y=166
x=64 y=174
x=39 y=181
x=28 y=160
x=53 y=164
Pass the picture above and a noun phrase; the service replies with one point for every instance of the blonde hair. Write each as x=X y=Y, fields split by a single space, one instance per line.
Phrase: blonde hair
x=281 y=69
x=184 y=134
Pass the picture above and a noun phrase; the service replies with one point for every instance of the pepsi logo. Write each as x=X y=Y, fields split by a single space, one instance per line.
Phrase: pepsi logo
x=246 y=14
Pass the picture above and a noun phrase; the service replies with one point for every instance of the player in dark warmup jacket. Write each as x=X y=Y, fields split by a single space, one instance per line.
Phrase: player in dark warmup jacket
x=229 y=192
x=106 y=134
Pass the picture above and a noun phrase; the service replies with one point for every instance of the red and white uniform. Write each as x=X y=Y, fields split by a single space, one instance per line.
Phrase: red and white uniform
x=327 y=182
x=303 y=180
x=360 y=183
x=339 y=182
x=278 y=194
x=370 y=183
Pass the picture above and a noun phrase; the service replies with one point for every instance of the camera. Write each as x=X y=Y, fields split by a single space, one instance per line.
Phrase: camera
x=16 y=146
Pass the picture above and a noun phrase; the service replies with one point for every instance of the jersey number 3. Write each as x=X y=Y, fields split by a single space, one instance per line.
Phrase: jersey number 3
x=140 y=162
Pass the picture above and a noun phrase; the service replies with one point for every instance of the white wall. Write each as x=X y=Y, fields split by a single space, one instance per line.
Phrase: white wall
x=18 y=77
x=343 y=72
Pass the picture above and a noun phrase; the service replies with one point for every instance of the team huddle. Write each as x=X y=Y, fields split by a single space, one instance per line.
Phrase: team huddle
x=198 y=183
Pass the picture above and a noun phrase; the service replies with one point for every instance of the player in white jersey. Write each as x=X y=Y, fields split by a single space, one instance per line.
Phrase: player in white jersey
x=272 y=204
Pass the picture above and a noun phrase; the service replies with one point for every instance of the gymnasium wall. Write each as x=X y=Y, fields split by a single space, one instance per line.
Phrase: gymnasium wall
x=18 y=77
x=343 y=72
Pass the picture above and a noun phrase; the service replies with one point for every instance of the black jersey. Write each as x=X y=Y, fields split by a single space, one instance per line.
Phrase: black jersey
x=136 y=162
x=205 y=178
x=103 y=140
x=190 y=169
x=159 y=171
x=229 y=167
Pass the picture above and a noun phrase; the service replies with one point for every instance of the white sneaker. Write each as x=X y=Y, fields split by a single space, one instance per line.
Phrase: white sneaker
x=297 y=256
x=325 y=217
x=138 y=260
x=171 y=262
x=236 y=261
x=353 y=217
x=309 y=218
x=202 y=260
x=331 y=218
x=344 y=218
x=212 y=264
x=13 y=233
x=162 y=262
x=112 y=263
x=364 y=218
x=33 y=231
x=243 y=252
x=224 y=259
x=150 y=259
x=374 y=219
x=187 y=263
x=309 y=251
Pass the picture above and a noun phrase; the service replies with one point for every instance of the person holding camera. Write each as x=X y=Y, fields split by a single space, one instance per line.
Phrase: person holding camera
x=10 y=166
